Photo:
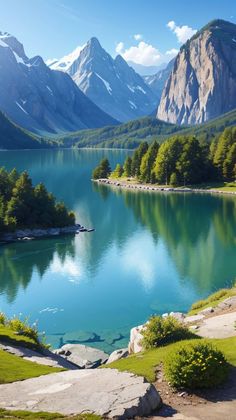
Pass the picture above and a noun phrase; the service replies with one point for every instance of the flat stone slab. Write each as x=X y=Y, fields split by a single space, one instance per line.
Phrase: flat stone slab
x=45 y=358
x=83 y=356
x=193 y=318
x=105 y=392
x=220 y=326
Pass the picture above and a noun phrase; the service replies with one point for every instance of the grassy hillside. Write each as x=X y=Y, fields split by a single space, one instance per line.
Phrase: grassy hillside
x=14 y=137
x=130 y=134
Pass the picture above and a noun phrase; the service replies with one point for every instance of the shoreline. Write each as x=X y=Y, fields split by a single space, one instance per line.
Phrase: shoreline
x=30 y=234
x=153 y=188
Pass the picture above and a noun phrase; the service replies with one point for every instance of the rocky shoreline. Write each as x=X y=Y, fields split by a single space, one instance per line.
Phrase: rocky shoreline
x=85 y=357
x=152 y=188
x=30 y=234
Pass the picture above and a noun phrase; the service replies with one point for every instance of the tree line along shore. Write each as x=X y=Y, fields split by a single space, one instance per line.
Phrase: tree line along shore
x=179 y=161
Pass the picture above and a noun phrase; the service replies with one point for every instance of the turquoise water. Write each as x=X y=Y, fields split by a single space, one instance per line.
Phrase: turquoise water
x=150 y=253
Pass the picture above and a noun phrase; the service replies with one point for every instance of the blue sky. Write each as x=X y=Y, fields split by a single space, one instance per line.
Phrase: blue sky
x=53 y=28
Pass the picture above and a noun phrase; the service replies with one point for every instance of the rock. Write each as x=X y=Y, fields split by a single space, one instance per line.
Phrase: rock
x=83 y=356
x=165 y=315
x=136 y=337
x=117 y=355
x=45 y=357
x=207 y=311
x=202 y=84
x=219 y=326
x=227 y=303
x=193 y=318
x=178 y=315
x=194 y=327
x=105 y=392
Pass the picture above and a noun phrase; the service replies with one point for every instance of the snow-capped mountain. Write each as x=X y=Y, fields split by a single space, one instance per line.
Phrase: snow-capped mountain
x=40 y=99
x=157 y=81
x=110 y=83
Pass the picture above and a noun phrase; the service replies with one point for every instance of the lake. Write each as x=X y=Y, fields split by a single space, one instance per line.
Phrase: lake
x=150 y=253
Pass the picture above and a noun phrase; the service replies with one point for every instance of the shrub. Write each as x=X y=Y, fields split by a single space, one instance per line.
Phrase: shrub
x=2 y=318
x=22 y=328
x=161 y=331
x=196 y=366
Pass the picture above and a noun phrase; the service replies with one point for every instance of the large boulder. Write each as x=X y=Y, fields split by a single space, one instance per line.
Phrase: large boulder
x=135 y=343
x=105 y=392
x=83 y=356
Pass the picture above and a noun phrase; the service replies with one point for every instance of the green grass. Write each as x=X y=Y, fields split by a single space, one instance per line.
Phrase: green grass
x=218 y=186
x=15 y=415
x=14 y=368
x=9 y=336
x=145 y=364
x=212 y=300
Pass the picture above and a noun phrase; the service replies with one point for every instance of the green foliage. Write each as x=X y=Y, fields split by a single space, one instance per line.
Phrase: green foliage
x=13 y=136
x=103 y=170
x=2 y=318
x=137 y=158
x=22 y=205
x=118 y=171
x=23 y=328
x=173 y=179
x=224 y=155
x=147 y=162
x=196 y=366
x=41 y=415
x=160 y=331
x=146 y=363
x=128 y=167
x=130 y=135
x=185 y=160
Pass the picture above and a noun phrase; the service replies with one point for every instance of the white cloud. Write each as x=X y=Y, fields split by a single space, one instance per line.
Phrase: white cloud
x=138 y=37
x=172 y=53
x=183 y=33
x=143 y=53
x=119 y=48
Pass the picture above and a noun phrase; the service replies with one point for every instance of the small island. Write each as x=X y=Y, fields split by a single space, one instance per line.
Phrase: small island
x=27 y=212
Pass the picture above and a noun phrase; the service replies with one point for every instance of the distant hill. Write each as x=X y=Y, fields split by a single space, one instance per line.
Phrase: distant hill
x=130 y=134
x=14 y=137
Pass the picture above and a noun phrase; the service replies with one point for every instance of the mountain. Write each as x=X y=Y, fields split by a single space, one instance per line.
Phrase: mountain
x=157 y=81
x=14 y=137
x=146 y=70
x=110 y=83
x=202 y=84
x=129 y=135
x=39 y=99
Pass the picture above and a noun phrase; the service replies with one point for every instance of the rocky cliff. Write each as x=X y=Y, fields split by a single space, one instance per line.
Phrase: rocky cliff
x=202 y=84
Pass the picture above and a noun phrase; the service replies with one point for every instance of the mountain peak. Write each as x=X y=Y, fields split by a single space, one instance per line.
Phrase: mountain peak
x=14 y=44
x=210 y=55
x=93 y=42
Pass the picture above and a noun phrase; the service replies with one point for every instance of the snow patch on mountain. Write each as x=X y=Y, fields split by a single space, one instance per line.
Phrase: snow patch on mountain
x=108 y=87
x=65 y=62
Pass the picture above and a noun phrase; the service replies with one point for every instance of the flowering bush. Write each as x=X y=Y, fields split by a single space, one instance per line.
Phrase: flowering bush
x=198 y=365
